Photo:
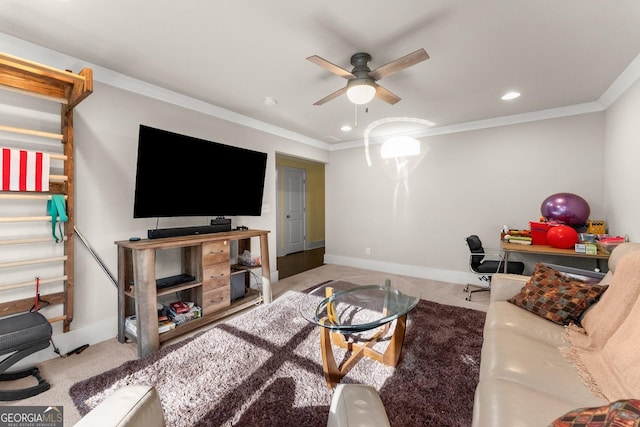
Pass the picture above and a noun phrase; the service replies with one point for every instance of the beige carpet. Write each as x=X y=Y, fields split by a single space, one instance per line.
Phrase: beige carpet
x=64 y=372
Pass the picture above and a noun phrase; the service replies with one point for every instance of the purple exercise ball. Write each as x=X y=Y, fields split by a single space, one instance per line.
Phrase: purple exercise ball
x=565 y=208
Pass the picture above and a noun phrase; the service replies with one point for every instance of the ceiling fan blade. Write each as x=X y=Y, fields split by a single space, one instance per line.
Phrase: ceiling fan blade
x=386 y=95
x=332 y=96
x=331 y=67
x=399 y=64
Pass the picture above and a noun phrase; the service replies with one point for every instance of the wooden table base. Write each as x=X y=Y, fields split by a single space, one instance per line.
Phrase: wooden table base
x=333 y=374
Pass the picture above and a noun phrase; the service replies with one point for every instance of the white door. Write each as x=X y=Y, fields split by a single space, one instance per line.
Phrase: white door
x=293 y=185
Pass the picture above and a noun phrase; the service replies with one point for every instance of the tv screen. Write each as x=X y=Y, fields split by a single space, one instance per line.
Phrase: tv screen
x=179 y=175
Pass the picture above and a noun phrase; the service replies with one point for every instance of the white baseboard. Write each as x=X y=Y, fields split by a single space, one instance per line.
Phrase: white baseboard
x=65 y=342
x=314 y=245
x=441 y=275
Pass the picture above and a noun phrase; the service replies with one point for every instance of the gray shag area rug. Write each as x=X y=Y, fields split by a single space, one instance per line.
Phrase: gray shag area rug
x=264 y=368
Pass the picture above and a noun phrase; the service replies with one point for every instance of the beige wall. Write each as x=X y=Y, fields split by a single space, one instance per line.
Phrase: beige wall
x=413 y=215
x=622 y=160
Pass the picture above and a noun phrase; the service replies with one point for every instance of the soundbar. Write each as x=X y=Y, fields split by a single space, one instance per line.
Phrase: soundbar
x=159 y=233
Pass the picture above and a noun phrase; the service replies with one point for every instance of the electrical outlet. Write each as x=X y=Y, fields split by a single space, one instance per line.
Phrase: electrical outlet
x=367 y=251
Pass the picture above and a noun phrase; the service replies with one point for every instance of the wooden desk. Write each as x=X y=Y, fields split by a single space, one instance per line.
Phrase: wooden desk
x=546 y=250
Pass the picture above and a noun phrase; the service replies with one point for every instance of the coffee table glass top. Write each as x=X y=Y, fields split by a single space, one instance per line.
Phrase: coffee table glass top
x=357 y=305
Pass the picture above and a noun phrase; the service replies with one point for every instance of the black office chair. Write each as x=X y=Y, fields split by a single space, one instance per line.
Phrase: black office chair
x=486 y=265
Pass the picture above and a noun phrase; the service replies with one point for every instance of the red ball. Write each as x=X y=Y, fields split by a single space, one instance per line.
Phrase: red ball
x=562 y=237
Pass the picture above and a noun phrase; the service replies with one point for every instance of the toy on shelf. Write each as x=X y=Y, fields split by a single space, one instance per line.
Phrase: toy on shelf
x=596 y=227
x=562 y=237
x=511 y=235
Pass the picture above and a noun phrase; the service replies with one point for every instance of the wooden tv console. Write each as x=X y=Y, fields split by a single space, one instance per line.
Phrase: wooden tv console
x=206 y=257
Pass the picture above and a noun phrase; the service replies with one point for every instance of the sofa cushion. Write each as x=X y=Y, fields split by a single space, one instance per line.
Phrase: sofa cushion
x=618 y=413
x=504 y=286
x=500 y=403
x=556 y=297
x=508 y=355
x=504 y=315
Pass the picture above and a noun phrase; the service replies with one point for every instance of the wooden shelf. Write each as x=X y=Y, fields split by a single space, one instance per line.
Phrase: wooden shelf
x=251 y=299
x=206 y=257
x=169 y=290
x=239 y=268
x=33 y=79
x=178 y=288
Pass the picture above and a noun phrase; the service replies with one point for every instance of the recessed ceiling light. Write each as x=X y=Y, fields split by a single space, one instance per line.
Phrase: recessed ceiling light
x=270 y=100
x=510 y=95
x=346 y=128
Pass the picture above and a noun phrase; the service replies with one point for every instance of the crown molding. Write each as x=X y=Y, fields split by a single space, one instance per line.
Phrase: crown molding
x=22 y=48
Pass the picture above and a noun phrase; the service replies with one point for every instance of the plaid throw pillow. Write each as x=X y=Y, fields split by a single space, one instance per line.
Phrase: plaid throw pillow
x=622 y=413
x=556 y=297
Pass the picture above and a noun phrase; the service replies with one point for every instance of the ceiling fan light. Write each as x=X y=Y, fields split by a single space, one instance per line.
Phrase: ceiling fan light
x=360 y=91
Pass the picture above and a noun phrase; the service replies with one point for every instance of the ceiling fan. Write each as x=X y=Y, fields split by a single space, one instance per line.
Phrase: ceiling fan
x=362 y=86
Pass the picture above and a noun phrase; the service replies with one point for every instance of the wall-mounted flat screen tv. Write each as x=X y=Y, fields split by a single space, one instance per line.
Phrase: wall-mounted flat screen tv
x=179 y=175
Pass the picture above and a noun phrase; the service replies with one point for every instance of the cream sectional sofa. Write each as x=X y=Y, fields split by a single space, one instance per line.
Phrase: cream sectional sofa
x=525 y=380
x=130 y=406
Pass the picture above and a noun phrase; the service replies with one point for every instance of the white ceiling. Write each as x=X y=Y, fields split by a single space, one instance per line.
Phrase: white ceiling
x=233 y=54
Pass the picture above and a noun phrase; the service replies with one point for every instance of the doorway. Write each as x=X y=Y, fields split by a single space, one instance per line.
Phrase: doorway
x=298 y=262
x=300 y=212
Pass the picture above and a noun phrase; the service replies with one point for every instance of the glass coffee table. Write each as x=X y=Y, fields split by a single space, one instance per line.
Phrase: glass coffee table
x=356 y=314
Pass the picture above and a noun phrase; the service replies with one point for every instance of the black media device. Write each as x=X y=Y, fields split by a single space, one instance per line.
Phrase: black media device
x=222 y=223
x=157 y=233
x=183 y=176
x=238 y=282
x=178 y=279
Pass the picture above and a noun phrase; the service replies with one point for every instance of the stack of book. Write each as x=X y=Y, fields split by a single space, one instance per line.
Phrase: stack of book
x=165 y=324
x=521 y=240
x=169 y=316
x=131 y=327
x=181 y=312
